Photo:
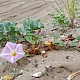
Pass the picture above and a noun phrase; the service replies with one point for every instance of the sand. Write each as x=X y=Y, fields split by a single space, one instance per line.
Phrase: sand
x=17 y=10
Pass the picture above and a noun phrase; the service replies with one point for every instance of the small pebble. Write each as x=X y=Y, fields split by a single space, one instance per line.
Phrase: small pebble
x=37 y=75
x=43 y=52
x=1 y=78
x=36 y=65
x=43 y=60
x=74 y=59
x=67 y=57
x=47 y=35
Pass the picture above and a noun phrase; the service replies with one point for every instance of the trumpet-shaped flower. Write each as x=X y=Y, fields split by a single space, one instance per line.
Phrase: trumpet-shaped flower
x=12 y=52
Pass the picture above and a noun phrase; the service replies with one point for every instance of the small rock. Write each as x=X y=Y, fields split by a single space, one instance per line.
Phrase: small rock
x=74 y=59
x=43 y=60
x=67 y=57
x=37 y=75
x=36 y=65
x=47 y=35
x=21 y=71
x=1 y=78
x=63 y=37
x=43 y=52
x=47 y=66
x=75 y=21
x=54 y=31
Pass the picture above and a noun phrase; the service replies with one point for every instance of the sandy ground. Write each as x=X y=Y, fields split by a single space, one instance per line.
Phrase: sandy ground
x=16 y=10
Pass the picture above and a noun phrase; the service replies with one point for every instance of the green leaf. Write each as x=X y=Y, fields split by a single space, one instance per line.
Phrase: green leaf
x=40 y=36
x=31 y=39
x=26 y=23
x=78 y=38
x=6 y=25
x=1 y=36
x=36 y=24
x=61 y=20
x=73 y=44
x=56 y=36
x=32 y=24
x=60 y=43
x=0 y=46
x=21 y=38
x=13 y=38
x=8 y=32
x=26 y=54
x=18 y=30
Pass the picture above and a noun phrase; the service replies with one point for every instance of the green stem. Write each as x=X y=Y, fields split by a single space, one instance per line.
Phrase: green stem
x=24 y=38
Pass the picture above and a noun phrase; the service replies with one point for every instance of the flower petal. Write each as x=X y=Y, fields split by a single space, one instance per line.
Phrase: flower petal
x=17 y=57
x=12 y=45
x=7 y=57
x=4 y=54
x=19 y=48
x=21 y=53
x=6 y=50
x=12 y=60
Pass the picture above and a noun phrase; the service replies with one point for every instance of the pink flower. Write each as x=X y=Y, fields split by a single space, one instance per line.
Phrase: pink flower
x=12 y=52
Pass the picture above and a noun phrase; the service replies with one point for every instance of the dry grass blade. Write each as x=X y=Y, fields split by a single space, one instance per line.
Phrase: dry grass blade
x=58 y=6
x=66 y=7
x=55 y=6
x=73 y=75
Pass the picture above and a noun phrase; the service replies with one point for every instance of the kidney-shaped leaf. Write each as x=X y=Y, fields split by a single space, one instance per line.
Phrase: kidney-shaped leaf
x=36 y=24
x=32 y=24
x=31 y=39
